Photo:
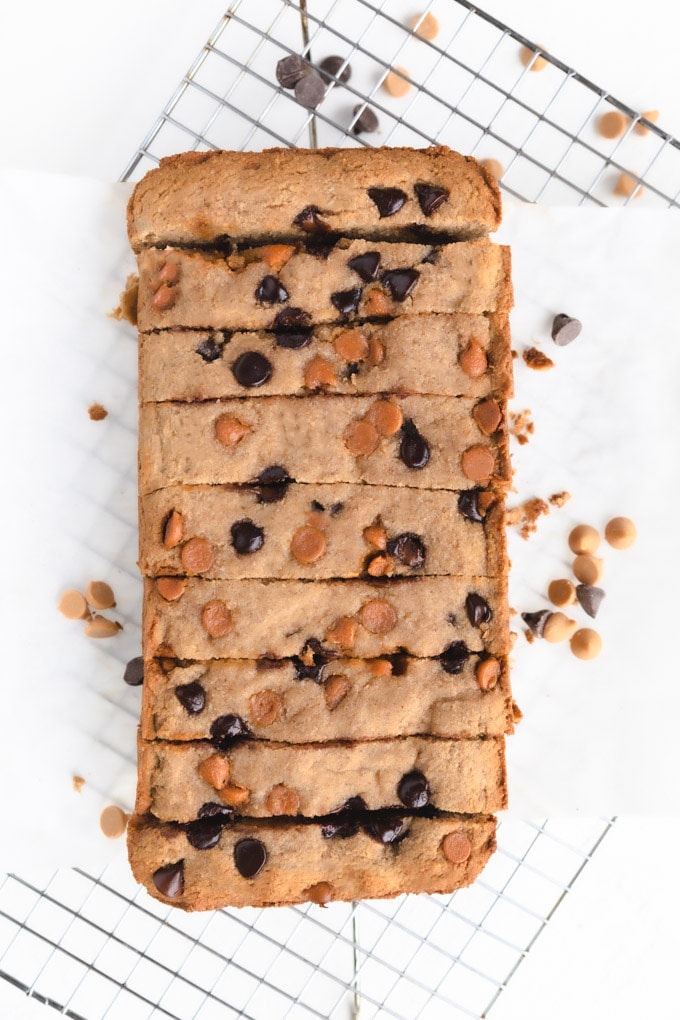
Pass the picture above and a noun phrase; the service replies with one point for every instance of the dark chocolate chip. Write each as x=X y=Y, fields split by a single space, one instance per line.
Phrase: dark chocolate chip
x=347 y=301
x=271 y=485
x=388 y=829
x=329 y=67
x=223 y=243
x=310 y=91
x=432 y=257
x=454 y=657
x=294 y=341
x=270 y=291
x=536 y=621
x=354 y=804
x=565 y=329
x=191 y=697
x=388 y=201
x=336 y=509
x=319 y=508
x=367 y=121
x=251 y=369
x=203 y=833
x=170 y=880
x=414 y=790
x=210 y=349
x=293 y=324
x=250 y=857
x=400 y=282
x=589 y=598
x=310 y=664
x=478 y=609
x=414 y=449
x=246 y=537
x=134 y=672
x=340 y=829
x=468 y=505
x=321 y=245
x=290 y=69
x=212 y=810
x=226 y=729
x=399 y=662
x=430 y=197
x=309 y=219
x=408 y=548
x=367 y=265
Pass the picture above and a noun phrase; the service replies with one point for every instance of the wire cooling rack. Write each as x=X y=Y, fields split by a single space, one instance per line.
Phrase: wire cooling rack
x=95 y=946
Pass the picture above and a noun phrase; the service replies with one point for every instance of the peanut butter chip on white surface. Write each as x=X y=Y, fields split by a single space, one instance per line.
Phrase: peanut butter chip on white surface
x=627 y=185
x=100 y=595
x=588 y=569
x=73 y=605
x=558 y=627
x=586 y=643
x=652 y=116
x=584 y=539
x=562 y=592
x=113 y=822
x=102 y=627
x=620 y=532
x=532 y=60
x=612 y=124
x=397 y=85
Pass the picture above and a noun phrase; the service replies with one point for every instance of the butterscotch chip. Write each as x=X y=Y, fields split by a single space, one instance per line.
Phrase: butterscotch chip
x=395 y=84
x=361 y=438
x=102 y=627
x=376 y=536
x=229 y=430
x=173 y=531
x=217 y=619
x=319 y=373
x=627 y=185
x=488 y=416
x=477 y=463
x=380 y=667
x=164 y=298
x=620 y=532
x=170 y=588
x=562 y=592
x=215 y=770
x=376 y=351
x=276 y=255
x=531 y=59
x=586 y=643
x=320 y=893
x=588 y=569
x=428 y=28
x=487 y=672
x=97 y=412
x=265 y=707
x=558 y=627
x=650 y=115
x=473 y=360
x=308 y=544
x=386 y=416
x=113 y=822
x=380 y=565
x=456 y=847
x=335 y=689
x=351 y=345
x=378 y=616
x=343 y=632
x=282 y=800
x=612 y=124
x=170 y=273
x=197 y=555
x=73 y=605
x=493 y=166
x=100 y=595
x=584 y=538
x=375 y=303
x=235 y=795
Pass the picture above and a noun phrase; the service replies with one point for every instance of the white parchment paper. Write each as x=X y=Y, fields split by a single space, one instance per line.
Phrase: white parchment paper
x=596 y=737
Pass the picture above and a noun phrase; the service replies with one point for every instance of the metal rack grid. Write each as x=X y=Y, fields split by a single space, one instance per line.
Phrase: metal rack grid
x=95 y=945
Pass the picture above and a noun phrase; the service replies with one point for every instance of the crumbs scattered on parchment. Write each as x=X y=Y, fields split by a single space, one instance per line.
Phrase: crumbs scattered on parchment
x=559 y=498
x=521 y=426
x=526 y=515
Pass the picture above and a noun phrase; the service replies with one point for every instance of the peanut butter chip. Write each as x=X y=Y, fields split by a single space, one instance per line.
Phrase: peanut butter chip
x=319 y=374
x=361 y=438
x=428 y=28
x=173 y=530
x=229 y=430
x=380 y=565
x=170 y=588
x=532 y=60
x=487 y=672
x=477 y=463
x=386 y=416
x=351 y=345
x=493 y=166
x=395 y=84
x=558 y=627
x=100 y=595
x=473 y=360
x=620 y=532
x=562 y=592
x=380 y=667
x=281 y=800
x=170 y=273
x=320 y=893
x=265 y=707
x=197 y=555
x=164 y=298
x=343 y=632
x=308 y=544
x=488 y=416
x=235 y=795
x=586 y=643
x=215 y=770
x=376 y=351
x=584 y=539
x=376 y=536
x=652 y=116
x=612 y=124
x=113 y=822
x=217 y=619
x=456 y=847
x=102 y=627
x=73 y=605
x=627 y=185
x=378 y=616
x=375 y=303
x=588 y=569
x=276 y=255
x=335 y=689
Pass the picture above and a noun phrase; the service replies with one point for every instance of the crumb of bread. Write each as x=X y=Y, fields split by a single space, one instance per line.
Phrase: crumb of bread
x=537 y=359
x=97 y=412
x=521 y=426
x=559 y=498
x=127 y=307
x=526 y=515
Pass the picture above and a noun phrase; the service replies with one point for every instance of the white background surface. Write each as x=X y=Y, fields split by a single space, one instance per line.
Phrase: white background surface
x=81 y=83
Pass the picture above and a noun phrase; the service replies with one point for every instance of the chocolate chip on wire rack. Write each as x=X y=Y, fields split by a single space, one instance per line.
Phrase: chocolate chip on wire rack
x=367 y=122
x=310 y=91
x=329 y=67
x=290 y=69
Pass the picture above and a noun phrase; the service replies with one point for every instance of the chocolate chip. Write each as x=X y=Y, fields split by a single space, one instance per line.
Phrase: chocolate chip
x=432 y=257
x=388 y=829
x=170 y=880
x=191 y=697
x=430 y=197
x=319 y=508
x=329 y=67
x=387 y=200
x=134 y=672
x=226 y=729
x=565 y=329
x=336 y=509
x=212 y=810
x=210 y=349
x=292 y=328
x=246 y=537
x=399 y=662
x=310 y=219
x=270 y=291
x=367 y=121
x=321 y=245
x=251 y=369
x=204 y=832
x=400 y=282
x=408 y=548
x=589 y=598
x=340 y=829
x=414 y=449
x=536 y=621
x=310 y=664
x=354 y=804
x=347 y=301
x=414 y=790
x=478 y=609
x=294 y=341
x=310 y=91
x=454 y=657
x=290 y=69
x=250 y=857
x=468 y=505
x=367 y=265
x=271 y=485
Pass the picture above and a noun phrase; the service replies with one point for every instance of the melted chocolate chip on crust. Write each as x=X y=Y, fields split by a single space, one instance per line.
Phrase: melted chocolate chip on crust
x=341 y=829
x=347 y=301
x=294 y=341
x=310 y=219
x=226 y=729
x=310 y=664
x=367 y=266
x=210 y=349
x=454 y=657
x=388 y=830
x=400 y=282
x=414 y=449
x=251 y=369
x=191 y=697
x=204 y=833
x=246 y=537
x=292 y=328
x=399 y=662
x=212 y=810
x=250 y=857
x=430 y=197
x=271 y=485
x=414 y=790
x=468 y=505
x=478 y=609
x=408 y=548
x=388 y=201
x=170 y=880
x=270 y=291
